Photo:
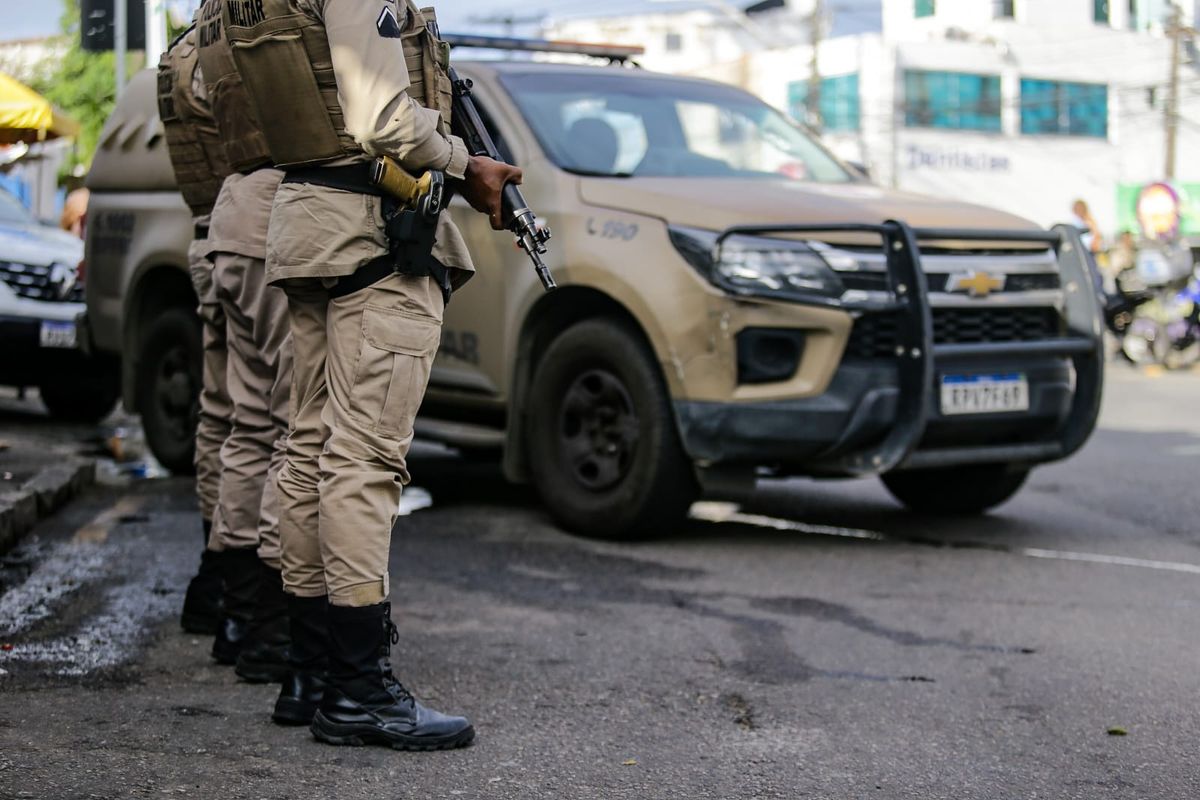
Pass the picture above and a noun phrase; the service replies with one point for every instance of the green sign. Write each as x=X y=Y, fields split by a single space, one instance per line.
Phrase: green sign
x=1159 y=210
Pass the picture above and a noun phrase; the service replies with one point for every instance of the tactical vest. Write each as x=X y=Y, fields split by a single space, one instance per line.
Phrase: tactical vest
x=283 y=56
x=193 y=141
x=245 y=145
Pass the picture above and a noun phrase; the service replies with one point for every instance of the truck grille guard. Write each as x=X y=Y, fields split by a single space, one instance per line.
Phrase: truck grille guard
x=917 y=353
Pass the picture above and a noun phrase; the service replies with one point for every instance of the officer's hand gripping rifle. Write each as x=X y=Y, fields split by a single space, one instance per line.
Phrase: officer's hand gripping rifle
x=521 y=220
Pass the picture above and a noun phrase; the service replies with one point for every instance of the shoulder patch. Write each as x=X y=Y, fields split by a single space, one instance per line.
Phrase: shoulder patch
x=386 y=24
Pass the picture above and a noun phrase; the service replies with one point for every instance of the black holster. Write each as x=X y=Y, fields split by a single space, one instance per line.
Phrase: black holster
x=411 y=233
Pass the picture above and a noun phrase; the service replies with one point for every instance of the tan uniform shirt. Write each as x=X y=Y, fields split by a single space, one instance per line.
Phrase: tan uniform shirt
x=243 y=209
x=318 y=232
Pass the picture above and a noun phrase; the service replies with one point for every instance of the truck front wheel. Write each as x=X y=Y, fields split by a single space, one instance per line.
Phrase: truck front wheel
x=956 y=490
x=603 y=447
x=168 y=387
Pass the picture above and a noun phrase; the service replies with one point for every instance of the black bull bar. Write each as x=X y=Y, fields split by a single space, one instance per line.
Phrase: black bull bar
x=917 y=353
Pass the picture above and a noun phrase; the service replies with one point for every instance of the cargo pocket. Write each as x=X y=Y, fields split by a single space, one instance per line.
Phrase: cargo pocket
x=393 y=368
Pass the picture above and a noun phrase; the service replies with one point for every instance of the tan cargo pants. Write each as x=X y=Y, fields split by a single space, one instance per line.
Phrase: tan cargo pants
x=259 y=381
x=216 y=409
x=362 y=363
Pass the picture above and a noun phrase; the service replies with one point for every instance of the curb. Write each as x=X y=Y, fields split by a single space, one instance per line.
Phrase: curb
x=40 y=496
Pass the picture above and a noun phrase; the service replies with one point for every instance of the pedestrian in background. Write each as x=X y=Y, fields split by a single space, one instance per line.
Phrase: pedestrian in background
x=1089 y=229
x=74 y=212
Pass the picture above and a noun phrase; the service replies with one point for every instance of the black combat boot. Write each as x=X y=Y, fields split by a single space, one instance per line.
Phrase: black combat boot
x=264 y=654
x=240 y=567
x=364 y=703
x=202 y=602
x=302 y=691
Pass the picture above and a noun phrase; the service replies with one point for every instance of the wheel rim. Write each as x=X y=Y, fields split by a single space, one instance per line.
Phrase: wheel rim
x=598 y=430
x=176 y=393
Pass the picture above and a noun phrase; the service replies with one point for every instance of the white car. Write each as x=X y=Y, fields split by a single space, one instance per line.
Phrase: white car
x=40 y=297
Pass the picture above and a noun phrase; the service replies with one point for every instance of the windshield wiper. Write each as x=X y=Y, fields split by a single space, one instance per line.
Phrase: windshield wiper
x=588 y=173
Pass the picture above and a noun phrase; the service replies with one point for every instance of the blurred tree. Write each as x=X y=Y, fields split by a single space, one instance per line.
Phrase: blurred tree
x=83 y=84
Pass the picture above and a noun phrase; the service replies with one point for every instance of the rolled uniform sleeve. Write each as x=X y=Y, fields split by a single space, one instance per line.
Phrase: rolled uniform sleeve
x=372 y=83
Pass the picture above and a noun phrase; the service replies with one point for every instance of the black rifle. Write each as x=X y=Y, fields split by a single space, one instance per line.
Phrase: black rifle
x=521 y=220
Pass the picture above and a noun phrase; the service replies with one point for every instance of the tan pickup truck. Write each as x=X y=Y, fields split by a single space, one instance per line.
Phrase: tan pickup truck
x=734 y=303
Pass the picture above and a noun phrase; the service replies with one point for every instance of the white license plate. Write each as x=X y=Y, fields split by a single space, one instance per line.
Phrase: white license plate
x=984 y=394
x=58 y=334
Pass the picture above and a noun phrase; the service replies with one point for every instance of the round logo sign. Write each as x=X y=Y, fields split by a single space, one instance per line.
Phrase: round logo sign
x=1158 y=211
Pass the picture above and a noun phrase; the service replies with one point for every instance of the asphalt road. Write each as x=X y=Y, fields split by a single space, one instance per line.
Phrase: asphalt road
x=815 y=641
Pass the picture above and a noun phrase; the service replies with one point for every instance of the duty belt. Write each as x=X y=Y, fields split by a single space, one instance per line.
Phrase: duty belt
x=410 y=238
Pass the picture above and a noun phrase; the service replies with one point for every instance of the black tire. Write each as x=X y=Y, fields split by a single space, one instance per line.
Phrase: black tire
x=88 y=394
x=601 y=437
x=957 y=490
x=168 y=387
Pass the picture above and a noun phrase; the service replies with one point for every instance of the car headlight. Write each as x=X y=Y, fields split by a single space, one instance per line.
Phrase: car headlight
x=783 y=268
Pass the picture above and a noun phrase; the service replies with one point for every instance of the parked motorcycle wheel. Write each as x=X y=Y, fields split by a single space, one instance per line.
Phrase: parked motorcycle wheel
x=1145 y=342
x=1182 y=357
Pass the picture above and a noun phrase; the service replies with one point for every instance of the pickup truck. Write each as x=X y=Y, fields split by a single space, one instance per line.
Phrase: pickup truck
x=734 y=303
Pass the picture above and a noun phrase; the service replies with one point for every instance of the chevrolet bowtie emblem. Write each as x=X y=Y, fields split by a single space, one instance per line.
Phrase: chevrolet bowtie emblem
x=976 y=284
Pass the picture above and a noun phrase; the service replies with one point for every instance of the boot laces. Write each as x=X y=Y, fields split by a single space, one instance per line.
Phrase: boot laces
x=390 y=682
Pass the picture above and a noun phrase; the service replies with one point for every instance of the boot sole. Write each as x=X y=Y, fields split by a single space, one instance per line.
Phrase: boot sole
x=360 y=735
x=293 y=712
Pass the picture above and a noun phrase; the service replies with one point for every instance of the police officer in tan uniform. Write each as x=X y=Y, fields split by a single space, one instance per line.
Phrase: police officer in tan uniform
x=254 y=632
x=200 y=167
x=336 y=83
x=246 y=364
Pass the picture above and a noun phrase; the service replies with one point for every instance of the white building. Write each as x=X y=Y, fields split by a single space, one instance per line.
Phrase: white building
x=30 y=59
x=1025 y=105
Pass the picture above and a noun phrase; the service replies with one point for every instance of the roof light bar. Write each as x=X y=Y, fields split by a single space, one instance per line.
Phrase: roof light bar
x=613 y=52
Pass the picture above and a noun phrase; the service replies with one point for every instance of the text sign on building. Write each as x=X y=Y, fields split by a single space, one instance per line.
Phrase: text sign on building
x=97 y=28
x=917 y=157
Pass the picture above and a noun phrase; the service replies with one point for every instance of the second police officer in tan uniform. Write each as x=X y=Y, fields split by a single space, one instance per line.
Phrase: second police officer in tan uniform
x=259 y=372
x=200 y=167
x=329 y=84
x=246 y=375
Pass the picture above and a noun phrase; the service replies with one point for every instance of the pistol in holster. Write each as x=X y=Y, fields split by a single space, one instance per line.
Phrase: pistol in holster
x=412 y=207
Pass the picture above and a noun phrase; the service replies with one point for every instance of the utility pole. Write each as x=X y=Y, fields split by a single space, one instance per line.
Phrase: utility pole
x=156 y=31
x=816 y=23
x=120 y=38
x=1175 y=31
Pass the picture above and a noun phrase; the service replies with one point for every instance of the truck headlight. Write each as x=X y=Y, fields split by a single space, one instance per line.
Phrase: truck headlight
x=780 y=268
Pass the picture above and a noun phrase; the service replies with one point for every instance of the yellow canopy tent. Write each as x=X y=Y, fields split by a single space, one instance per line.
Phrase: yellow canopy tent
x=26 y=116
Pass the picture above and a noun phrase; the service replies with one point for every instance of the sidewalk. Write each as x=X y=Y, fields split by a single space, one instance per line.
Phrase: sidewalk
x=39 y=474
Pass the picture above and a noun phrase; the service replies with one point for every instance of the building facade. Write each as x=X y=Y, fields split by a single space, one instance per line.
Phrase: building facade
x=1025 y=105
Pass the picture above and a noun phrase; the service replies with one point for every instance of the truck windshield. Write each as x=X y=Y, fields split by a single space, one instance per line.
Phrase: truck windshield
x=621 y=125
x=11 y=209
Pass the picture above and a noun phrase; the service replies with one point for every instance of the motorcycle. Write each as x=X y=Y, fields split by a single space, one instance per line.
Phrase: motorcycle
x=1140 y=339
x=1183 y=332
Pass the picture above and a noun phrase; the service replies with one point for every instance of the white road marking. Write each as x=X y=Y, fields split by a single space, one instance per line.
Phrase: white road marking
x=709 y=511
x=729 y=512
x=1120 y=561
